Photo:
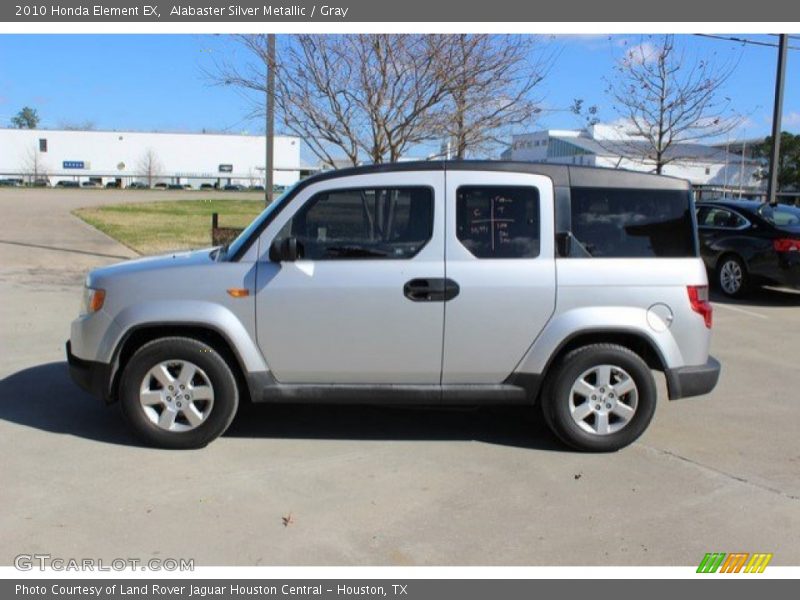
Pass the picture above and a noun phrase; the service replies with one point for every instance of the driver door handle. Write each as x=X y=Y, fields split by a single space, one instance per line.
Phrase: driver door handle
x=431 y=289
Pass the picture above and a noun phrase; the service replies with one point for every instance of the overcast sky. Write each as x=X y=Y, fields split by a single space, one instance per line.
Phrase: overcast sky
x=158 y=82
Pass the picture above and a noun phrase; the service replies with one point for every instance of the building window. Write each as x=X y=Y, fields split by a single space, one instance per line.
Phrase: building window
x=43 y=145
x=708 y=170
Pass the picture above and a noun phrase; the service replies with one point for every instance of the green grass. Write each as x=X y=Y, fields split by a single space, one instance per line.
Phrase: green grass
x=155 y=227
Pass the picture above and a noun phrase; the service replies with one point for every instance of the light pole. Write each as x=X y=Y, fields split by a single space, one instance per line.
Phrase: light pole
x=774 y=157
x=268 y=166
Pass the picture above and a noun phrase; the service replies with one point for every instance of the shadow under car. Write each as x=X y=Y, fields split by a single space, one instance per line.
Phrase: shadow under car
x=44 y=397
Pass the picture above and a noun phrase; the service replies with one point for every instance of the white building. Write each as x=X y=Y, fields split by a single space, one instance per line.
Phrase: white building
x=122 y=157
x=605 y=146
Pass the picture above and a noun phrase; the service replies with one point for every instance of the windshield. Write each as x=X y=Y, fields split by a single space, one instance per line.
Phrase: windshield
x=780 y=215
x=233 y=248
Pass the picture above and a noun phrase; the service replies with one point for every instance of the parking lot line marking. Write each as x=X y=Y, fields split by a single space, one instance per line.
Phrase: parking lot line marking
x=741 y=310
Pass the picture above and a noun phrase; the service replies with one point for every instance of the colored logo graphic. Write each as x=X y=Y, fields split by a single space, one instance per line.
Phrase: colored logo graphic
x=737 y=562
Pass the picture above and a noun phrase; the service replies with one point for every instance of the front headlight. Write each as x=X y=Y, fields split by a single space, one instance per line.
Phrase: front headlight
x=93 y=300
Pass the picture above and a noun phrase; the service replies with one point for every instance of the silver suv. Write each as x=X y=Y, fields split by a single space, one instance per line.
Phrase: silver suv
x=440 y=283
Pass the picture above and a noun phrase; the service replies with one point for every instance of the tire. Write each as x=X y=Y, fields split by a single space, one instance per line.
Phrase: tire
x=731 y=276
x=626 y=406
x=207 y=395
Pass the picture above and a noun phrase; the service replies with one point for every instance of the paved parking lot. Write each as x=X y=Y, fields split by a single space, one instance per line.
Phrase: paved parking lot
x=378 y=486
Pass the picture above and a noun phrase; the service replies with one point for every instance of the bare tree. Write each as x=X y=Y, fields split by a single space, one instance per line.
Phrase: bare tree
x=87 y=125
x=34 y=167
x=368 y=97
x=667 y=98
x=489 y=88
x=150 y=166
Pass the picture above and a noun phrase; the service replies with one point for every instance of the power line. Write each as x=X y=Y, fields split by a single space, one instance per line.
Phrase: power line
x=746 y=41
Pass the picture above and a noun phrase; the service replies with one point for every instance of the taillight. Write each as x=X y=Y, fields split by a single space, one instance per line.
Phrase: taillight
x=698 y=298
x=786 y=245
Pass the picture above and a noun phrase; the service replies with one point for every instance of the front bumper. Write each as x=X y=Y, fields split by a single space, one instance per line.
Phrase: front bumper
x=94 y=377
x=685 y=382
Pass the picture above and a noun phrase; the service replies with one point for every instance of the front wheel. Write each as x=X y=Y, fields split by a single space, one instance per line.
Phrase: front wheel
x=600 y=398
x=178 y=393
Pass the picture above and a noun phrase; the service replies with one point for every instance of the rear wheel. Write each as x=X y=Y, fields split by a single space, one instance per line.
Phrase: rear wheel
x=732 y=276
x=178 y=393
x=600 y=398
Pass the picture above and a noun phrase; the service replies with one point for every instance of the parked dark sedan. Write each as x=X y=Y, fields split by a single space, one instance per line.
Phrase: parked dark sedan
x=745 y=243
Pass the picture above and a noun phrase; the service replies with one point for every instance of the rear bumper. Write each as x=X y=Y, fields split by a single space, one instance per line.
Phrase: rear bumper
x=685 y=382
x=780 y=268
x=789 y=269
x=94 y=377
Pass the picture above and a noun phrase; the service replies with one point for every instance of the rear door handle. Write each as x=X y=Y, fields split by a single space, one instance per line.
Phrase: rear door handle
x=426 y=289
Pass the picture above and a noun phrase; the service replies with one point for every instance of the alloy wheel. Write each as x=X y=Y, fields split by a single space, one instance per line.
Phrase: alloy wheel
x=603 y=399
x=731 y=277
x=176 y=395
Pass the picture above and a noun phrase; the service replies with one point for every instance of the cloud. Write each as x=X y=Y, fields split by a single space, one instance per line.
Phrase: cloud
x=641 y=54
x=791 y=119
x=747 y=123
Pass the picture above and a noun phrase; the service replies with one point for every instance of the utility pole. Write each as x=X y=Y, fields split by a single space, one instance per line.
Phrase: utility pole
x=741 y=165
x=727 y=154
x=774 y=157
x=268 y=166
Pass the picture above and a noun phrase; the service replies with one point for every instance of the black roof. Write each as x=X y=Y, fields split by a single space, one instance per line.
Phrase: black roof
x=561 y=175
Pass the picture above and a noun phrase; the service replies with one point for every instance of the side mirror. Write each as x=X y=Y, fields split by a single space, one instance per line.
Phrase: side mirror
x=285 y=250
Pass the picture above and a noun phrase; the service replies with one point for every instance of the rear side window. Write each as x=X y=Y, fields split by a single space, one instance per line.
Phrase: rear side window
x=498 y=221
x=780 y=215
x=629 y=223
x=722 y=219
x=363 y=223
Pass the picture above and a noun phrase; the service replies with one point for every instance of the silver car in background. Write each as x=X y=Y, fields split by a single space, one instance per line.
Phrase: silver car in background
x=437 y=283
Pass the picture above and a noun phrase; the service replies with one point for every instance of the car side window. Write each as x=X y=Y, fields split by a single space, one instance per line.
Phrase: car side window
x=631 y=223
x=498 y=221
x=721 y=218
x=781 y=215
x=363 y=223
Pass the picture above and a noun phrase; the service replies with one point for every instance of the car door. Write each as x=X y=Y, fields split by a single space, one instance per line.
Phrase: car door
x=346 y=311
x=500 y=252
x=720 y=230
x=707 y=234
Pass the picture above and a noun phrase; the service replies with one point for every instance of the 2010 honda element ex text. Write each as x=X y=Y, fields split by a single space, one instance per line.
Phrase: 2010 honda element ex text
x=437 y=283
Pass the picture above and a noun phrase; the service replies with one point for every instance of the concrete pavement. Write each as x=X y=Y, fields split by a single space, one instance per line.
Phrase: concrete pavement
x=378 y=486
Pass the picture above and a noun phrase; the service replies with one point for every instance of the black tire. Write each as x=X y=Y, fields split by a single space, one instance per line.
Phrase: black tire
x=727 y=267
x=556 y=397
x=212 y=367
